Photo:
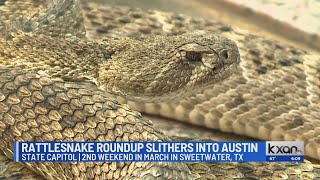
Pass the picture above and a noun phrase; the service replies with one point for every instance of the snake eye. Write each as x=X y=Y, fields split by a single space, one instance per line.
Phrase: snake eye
x=193 y=56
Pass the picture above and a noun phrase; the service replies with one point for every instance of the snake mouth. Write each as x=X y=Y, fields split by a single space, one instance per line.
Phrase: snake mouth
x=224 y=72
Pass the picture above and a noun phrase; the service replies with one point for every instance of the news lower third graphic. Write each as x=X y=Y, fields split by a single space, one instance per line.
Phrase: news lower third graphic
x=269 y=151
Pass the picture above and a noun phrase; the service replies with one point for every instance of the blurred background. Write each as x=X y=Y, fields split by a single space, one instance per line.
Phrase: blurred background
x=296 y=22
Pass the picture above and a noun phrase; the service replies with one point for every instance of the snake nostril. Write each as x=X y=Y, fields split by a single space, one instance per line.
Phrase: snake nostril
x=224 y=54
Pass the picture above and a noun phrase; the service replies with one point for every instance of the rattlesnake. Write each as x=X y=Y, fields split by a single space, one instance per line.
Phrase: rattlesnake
x=239 y=103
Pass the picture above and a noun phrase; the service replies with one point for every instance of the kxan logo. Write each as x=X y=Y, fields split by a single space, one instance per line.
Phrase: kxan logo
x=281 y=148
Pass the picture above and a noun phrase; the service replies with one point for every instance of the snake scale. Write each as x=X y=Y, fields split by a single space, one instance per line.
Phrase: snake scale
x=274 y=95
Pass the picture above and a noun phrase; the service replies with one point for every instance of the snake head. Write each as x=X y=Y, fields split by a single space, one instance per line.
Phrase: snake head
x=169 y=67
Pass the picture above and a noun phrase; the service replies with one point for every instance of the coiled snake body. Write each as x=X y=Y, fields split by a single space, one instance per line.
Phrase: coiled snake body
x=49 y=39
